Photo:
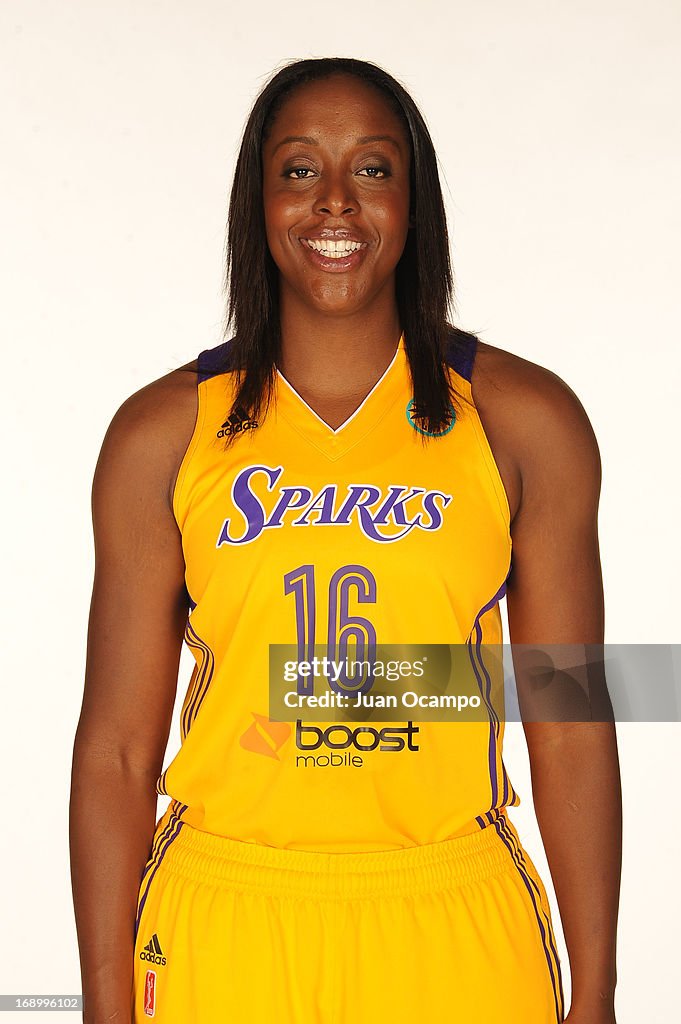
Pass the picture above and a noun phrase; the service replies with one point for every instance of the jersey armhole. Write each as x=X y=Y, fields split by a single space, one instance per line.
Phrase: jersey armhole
x=492 y=468
x=189 y=452
x=462 y=363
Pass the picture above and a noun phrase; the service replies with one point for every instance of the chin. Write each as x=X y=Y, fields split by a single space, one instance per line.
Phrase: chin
x=338 y=299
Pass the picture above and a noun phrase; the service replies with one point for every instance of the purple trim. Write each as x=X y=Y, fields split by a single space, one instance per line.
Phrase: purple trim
x=519 y=851
x=488 y=681
x=491 y=744
x=508 y=785
x=485 y=692
x=203 y=681
x=213 y=361
x=509 y=841
x=159 y=839
x=461 y=350
x=164 y=841
x=501 y=592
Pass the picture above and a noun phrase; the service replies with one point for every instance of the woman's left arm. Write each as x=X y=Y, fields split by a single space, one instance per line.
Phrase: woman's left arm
x=555 y=597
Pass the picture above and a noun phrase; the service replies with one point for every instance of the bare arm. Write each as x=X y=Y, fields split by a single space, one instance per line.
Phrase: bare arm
x=555 y=597
x=137 y=617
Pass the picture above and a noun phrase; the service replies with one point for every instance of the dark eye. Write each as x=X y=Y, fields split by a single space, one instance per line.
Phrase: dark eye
x=383 y=171
x=295 y=170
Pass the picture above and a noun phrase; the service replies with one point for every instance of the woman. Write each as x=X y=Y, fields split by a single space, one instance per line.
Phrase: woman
x=346 y=469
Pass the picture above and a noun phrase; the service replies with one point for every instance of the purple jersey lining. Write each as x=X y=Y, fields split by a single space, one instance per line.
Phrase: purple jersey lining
x=213 y=361
x=461 y=355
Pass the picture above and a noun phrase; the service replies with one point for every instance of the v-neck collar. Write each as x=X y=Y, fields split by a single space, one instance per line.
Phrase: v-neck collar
x=335 y=443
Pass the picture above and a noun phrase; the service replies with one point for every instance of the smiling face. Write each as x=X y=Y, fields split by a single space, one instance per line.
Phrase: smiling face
x=336 y=195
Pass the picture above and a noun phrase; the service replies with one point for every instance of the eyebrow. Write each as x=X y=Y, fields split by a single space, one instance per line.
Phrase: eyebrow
x=309 y=141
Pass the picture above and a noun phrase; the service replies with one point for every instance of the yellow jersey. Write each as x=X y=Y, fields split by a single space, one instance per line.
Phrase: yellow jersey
x=296 y=533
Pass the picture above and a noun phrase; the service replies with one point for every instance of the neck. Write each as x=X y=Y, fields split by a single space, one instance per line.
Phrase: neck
x=336 y=355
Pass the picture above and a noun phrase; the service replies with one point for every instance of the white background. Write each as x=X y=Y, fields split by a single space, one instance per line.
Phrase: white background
x=556 y=126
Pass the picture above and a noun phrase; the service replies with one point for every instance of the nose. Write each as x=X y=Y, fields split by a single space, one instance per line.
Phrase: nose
x=335 y=196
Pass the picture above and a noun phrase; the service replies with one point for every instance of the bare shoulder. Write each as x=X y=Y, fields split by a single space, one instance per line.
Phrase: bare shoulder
x=150 y=431
x=535 y=422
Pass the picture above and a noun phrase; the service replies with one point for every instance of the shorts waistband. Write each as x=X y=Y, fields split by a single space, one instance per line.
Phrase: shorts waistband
x=255 y=867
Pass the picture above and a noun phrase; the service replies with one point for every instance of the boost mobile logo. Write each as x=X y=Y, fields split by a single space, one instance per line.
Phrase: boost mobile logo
x=364 y=738
x=264 y=736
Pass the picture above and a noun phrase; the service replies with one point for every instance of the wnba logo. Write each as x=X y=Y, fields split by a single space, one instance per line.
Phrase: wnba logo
x=150 y=994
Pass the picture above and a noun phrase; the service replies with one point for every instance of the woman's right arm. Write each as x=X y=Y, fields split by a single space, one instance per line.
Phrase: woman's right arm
x=137 y=617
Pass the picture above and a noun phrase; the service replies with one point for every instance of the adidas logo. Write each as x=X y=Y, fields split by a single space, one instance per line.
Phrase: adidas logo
x=152 y=952
x=235 y=424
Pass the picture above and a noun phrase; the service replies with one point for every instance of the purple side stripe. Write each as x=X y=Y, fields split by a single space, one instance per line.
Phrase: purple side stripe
x=514 y=841
x=481 y=663
x=509 y=841
x=203 y=680
x=159 y=840
x=491 y=746
x=507 y=781
x=169 y=834
x=485 y=692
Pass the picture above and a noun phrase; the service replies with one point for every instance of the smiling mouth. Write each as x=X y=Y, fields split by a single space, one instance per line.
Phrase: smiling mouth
x=333 y=250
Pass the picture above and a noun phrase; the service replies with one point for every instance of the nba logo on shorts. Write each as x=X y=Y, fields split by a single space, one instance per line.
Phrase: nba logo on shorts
x=150 y=994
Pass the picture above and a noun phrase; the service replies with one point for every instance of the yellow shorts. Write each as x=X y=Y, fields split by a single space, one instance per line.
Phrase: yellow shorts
x=457 y=931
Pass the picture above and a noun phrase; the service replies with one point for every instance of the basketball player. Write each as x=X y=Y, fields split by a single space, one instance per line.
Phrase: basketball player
x=345 y=468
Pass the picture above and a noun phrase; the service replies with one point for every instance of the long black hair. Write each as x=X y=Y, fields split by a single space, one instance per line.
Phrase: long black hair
x=423 y=276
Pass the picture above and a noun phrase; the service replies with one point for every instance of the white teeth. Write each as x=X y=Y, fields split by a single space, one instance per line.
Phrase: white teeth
x=333 y=249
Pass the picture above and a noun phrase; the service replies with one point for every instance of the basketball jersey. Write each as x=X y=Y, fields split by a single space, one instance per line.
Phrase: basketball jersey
x=290 y=534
